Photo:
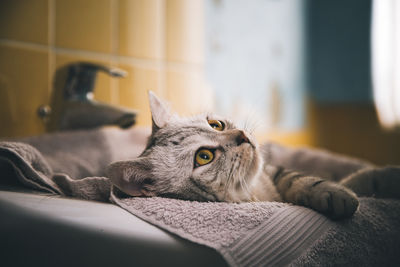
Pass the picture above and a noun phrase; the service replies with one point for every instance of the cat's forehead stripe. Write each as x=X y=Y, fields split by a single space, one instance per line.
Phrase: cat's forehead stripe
x=180 y=134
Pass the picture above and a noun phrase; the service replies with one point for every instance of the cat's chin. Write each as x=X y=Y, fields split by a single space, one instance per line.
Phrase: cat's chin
x=255 y=163
x=252 y=163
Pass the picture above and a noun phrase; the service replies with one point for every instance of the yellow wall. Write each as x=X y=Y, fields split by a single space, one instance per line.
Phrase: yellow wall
x=347 y=128
x=158 y=42
x=353 y=129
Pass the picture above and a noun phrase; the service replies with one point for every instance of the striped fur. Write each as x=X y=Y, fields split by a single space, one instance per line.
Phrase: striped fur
x=321 y=195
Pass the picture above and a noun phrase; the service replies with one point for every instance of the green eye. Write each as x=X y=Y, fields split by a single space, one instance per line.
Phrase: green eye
x=217 y=125
x=204 y=156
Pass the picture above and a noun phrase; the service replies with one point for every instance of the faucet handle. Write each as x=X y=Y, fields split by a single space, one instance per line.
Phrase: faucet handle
x=112 y=71
x=81 y=78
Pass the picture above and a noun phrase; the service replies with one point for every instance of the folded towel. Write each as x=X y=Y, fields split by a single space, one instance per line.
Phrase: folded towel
x=246 y=234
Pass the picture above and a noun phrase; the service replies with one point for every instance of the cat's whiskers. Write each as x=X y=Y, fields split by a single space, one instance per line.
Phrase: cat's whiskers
x=251 y=125
x=256 y=125
x=230 y=179
x=247 y=190
x=246 y=124
x=244 y=188
x=226 y=187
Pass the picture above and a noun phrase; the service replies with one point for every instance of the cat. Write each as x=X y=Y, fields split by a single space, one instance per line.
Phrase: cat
x=207 y=158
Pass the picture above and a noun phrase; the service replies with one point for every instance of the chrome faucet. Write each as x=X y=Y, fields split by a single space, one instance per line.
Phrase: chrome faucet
x=72 y=105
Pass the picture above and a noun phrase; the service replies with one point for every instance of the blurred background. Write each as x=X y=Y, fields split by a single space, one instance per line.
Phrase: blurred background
x=299 y=72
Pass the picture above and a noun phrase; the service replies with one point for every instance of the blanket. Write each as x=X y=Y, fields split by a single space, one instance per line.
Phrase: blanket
x=72 y=164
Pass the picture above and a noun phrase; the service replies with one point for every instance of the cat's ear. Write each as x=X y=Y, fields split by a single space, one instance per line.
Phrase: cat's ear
x=133 y=177
x=159 y=111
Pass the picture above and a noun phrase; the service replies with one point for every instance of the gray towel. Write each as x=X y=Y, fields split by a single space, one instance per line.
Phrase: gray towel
x=246 y=234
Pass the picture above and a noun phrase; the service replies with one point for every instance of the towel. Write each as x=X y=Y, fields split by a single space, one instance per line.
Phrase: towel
x=72 y=164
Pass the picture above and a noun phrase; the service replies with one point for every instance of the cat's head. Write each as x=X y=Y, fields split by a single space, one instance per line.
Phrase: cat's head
x=203 y=158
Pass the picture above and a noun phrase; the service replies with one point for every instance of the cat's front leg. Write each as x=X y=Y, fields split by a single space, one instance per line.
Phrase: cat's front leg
x=375 y=182
x=329 y=198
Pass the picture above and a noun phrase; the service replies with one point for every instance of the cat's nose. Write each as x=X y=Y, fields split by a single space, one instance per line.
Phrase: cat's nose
x=241 y=138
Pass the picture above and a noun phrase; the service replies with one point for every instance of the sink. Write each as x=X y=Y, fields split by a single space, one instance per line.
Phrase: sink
x=39 y=229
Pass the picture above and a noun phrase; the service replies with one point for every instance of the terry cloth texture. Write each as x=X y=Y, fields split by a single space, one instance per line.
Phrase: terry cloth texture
x=245 y=234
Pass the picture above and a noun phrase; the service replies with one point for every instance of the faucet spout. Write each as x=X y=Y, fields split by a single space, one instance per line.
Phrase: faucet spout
x=93 y=114
x=72 y=105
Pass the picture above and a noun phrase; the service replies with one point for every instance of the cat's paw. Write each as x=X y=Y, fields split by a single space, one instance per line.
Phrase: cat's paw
x=333 y=200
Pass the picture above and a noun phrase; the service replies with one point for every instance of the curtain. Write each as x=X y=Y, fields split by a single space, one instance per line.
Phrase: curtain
x=386 y=60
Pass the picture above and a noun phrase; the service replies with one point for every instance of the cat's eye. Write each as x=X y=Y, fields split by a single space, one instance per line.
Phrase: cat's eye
x=216 y=125
x=203 y=157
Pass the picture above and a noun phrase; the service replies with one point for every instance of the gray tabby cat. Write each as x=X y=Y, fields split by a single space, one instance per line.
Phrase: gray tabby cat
x=207 y=158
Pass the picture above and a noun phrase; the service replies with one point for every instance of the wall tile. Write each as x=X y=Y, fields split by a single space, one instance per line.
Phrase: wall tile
x=84 y=25
x=23 y=88
x=185 y=31
x=23 y=20
x=140 y=28
x=142 y=25
x=133 y=91
x=187 y=92
x=103 y=90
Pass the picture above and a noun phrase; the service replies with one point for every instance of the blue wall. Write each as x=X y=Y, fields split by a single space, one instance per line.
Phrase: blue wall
x=255 y=60
x=339 y=50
